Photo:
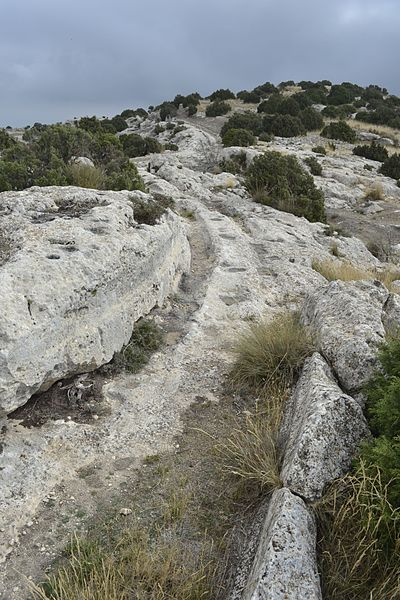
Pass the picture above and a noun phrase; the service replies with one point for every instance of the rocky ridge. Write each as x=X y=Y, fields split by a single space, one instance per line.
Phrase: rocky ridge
x=258 y=261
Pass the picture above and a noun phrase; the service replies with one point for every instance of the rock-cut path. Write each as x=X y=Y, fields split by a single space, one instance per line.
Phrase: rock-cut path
x=245 y=261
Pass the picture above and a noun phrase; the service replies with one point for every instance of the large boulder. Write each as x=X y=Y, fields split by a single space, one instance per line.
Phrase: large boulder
x=77 y=272
x=285 y=566
x=321 y=431
x=347 y=319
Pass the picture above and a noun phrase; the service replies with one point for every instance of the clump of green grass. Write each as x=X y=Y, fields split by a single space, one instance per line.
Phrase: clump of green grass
x=85 y=176
x=359 y=539
x=145 y=340
x=359 y=518
x=141 y=566
x=271 y=353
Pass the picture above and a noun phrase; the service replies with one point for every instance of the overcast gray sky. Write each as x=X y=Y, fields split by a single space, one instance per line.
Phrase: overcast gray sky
x=60 y=59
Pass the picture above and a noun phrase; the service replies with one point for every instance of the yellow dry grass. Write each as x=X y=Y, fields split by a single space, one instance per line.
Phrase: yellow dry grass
x=251 y=453
x=346 y=271
x=375 y=192
x=382 y=130
x=139 y=566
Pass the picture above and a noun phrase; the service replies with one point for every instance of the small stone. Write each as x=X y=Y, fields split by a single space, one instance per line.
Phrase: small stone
x=125 y=511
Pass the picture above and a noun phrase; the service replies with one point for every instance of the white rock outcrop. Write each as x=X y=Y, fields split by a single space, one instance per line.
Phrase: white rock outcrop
x=347 y=319
x=321 y=431
x=80 y=271
x=285 y=564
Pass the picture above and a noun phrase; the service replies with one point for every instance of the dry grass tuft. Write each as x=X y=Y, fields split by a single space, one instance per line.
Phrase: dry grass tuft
x=139 y=567
x=85 y=176
x=251 y=452
x=356 y=526
x=271 y=353
x=375 y=192
x=345 y=271
x=382 y=130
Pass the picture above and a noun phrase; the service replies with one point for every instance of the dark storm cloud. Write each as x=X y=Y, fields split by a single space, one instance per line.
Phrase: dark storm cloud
x=63 y=59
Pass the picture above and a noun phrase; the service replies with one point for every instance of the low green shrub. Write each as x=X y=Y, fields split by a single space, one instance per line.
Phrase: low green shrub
x=221 y=95
x=145 y=340
x=313 y=165
x=283 y=125
x=238 y=137
x=311 y=119
x=167 y=110
x=391 y=166
x=178 y=129
x=121 y=174
x=89 y=124
x=173 y=147
x=218 y=108
x=338 y=112
x=104 y=148
x=247 y=120
x=134 y=145
x=236 y=164
x=130 y=112
x=303 y=100
x=189 y=100
x=319 y=150
x=339 y=130
x=149 y=212
x=372 y=152
x=272 y=105
x=383 y=392
x=344 y=93
x=288 y=106
x=265 y=88
x=249 y=97
x=280 y=181
x=5 y=140
x=265 y=137
x=192 y=110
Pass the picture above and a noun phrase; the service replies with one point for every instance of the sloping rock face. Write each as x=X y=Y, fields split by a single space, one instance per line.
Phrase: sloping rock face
x=347 y=317
x=322 y=430
x=79 y=272
x=284 y=567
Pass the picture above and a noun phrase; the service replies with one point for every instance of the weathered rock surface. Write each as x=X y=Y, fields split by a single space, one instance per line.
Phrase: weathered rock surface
x=391 y=314
x=321 y=431
x=81 y=272
x=285 y=564
x=248 y=260
x=347 y=319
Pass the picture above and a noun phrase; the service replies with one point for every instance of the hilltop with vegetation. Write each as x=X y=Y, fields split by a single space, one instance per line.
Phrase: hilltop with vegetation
x=199 y=367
